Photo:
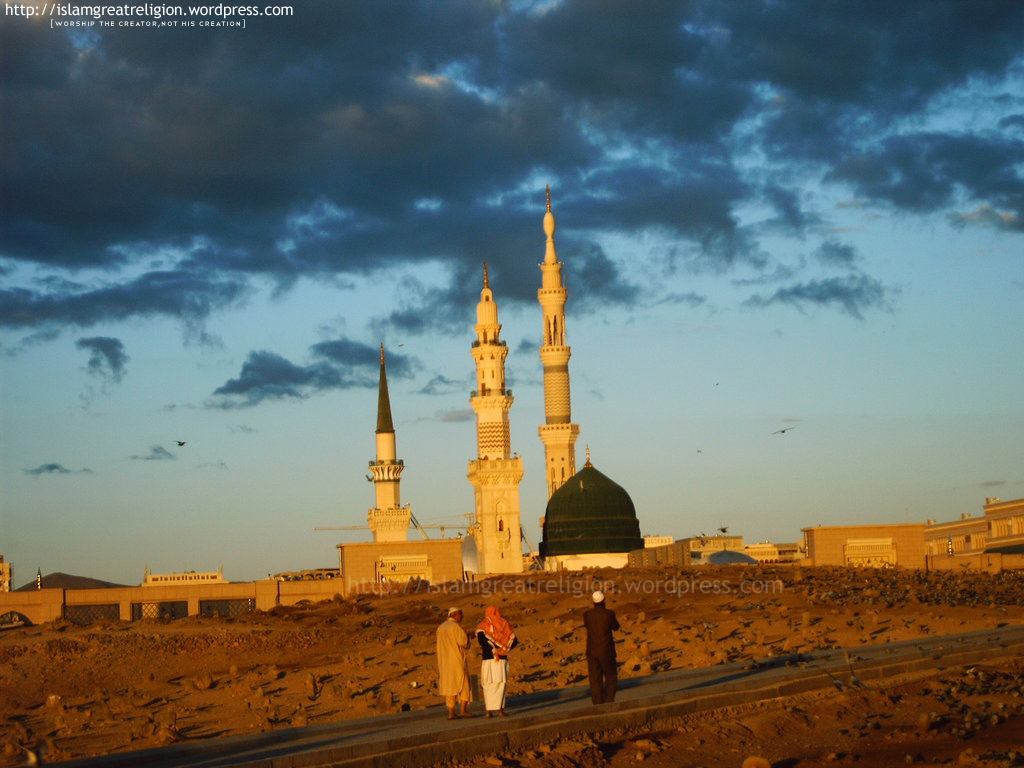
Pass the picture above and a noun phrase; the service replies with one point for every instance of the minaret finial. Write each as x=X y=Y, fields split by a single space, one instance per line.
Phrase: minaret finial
x=487 y=282
x=384 y=420
x=549 y=196
x=588 y=464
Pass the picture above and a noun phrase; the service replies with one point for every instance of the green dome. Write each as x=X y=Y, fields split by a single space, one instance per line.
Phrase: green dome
x=590 y=513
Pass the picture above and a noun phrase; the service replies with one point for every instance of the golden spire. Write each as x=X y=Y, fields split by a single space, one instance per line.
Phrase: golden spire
x=487 y=283
x=588 y=464
x=549 y=196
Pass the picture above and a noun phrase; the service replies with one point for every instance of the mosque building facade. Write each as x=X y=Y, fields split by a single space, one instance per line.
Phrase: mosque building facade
x=496 y=471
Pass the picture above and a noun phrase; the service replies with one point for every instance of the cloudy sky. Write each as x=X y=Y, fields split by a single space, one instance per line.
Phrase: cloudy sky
x=779 y=215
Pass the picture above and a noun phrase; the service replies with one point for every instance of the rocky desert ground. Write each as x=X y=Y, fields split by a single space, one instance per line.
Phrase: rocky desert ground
x=68 y=691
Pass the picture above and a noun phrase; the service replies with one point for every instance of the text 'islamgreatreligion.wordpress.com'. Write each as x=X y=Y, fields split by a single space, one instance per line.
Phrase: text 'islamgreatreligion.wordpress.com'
x=145 y=14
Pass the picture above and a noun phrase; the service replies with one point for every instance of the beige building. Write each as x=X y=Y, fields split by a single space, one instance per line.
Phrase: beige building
x=371 y=566
x=6 y=575
x=557 y=433
x=1005 y=521
x=769 y=552
x=957 y=537
x=676 y=553
x=702 y=547
x=992 y=542
x=391 y=558
x=496 y=471
x=872 y=546
x=658 y=541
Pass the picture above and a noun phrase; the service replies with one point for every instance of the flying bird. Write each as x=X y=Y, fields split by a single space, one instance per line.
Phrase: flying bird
x=180 y=443
x=724 y=529
x=782 y=431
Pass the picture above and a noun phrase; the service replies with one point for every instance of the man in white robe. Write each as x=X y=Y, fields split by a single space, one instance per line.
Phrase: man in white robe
x=452 y=665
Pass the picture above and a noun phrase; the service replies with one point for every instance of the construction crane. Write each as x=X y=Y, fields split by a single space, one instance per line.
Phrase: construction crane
x=415 y=524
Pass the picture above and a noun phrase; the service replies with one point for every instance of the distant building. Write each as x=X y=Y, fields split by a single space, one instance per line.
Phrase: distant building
x=992 y=542
x=702 y=547
x=676 y=553
x=1005 y=526
x=657 y=541
x=872 y=546
x=6 y=575
x=151 y=579
x=308 y=574
x=965 y=536
x=768 y=552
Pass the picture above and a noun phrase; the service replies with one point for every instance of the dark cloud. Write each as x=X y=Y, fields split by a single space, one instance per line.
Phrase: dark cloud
x=442 y=385
x=687 y=299
x=354 y=138
x=189 y=296
x=790 y=215
x=852 y=294
x=56 y=469
x=457 y=417
x=268 y=376
x=343 y=364
x=928 y=171
x=1012 y=121
x=156 y=453
x=31 y=340
x=107 y=358
x=836 y=254
x=528 y=346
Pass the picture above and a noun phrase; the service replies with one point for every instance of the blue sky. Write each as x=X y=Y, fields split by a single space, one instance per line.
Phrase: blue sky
x=771 y=215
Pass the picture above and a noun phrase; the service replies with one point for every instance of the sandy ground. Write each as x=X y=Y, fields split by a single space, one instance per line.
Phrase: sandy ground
x=68 y=691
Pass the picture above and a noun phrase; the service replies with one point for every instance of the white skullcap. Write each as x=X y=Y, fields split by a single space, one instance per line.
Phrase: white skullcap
x=598 y=596
x=453 y=611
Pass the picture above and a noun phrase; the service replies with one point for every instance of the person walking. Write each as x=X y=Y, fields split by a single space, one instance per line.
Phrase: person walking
x=496 y=638
x=452 y=669
x=601 y=663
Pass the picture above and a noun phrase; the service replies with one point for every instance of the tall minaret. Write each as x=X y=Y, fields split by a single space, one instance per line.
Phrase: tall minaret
x=389 y=520
x=557 y=433
x=495 y=474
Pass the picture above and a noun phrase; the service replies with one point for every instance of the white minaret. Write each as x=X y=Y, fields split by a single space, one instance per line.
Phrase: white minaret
x=495 y=474
x=558 y=433
x=389 y=520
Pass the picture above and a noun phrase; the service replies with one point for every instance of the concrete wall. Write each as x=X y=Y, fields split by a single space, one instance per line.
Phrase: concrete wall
x=43 y=605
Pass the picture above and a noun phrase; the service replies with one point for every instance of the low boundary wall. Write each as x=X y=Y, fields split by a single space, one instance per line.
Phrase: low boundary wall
x=83 y=606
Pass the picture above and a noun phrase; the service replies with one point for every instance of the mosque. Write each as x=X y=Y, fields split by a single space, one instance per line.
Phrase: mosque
x=589 y=521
